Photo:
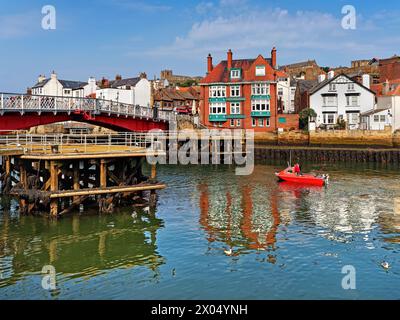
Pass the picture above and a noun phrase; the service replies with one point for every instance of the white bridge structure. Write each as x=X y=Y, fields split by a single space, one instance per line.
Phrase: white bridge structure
x=38 y=105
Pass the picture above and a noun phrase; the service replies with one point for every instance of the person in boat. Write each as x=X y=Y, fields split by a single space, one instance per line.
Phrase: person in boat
x=296 y=169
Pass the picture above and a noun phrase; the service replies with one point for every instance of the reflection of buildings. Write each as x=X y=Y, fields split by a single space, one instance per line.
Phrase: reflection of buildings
x=389 y=222
x=77 y=247
x=239 y=217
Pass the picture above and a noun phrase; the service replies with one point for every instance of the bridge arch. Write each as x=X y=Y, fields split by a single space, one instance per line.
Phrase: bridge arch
x=22 y=112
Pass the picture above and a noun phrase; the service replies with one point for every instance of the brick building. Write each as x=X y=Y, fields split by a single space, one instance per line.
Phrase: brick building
x=389 y=69
x=307 y=70
x=242 y=94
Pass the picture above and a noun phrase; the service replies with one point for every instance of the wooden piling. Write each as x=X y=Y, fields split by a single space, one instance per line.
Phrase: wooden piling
x=53 y=188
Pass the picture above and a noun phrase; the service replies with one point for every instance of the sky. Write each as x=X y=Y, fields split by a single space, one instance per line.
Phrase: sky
x=102 y=38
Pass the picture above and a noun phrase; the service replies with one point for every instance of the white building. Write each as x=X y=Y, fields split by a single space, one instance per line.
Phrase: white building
x=284 y=94
x=340 y=97
x=386 y=113
x=136 y=91
x=65 y=88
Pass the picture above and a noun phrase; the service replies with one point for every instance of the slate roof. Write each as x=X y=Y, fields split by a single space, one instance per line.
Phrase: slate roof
x=306 y=85
x=67 y=84
x=125 y=82
x=327 y=81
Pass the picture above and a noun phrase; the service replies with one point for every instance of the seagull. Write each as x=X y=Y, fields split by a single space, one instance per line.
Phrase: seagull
x=385 y=265
x=228 y=252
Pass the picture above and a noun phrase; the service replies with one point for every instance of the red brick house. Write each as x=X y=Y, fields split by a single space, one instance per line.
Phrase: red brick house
x=241 y=94
x=389 y=69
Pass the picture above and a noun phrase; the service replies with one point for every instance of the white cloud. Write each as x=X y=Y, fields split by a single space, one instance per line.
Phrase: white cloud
x=257 y=30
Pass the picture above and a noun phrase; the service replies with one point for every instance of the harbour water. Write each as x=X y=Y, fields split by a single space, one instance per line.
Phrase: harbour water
x=287 y=242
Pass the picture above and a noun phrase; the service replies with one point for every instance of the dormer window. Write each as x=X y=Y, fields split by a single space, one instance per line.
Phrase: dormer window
x=235 y=73
x=260 y=71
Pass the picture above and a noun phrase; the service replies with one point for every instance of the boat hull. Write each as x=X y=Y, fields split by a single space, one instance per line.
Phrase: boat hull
x=301 y=179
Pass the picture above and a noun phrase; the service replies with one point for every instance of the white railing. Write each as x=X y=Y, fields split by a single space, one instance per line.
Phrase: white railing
x=65 y=143
x=22 y=103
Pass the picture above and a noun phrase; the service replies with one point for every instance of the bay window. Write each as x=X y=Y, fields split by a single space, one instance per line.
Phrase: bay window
x=259 y=105
x=260 y=89
x=217 y=92
x=217 y=108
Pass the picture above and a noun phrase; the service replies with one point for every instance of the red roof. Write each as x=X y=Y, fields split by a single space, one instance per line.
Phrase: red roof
x=221 y=73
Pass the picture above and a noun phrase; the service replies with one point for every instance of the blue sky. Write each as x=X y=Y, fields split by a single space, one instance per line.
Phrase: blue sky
x=105 y=37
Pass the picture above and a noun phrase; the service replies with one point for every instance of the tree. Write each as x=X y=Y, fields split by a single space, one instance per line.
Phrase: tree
x=305 y=116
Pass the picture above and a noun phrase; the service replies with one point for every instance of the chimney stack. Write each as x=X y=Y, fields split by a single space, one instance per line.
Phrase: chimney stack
x=229 y=59
x=321 y=78
x=331 y=74
x=118 y=77
x=53 y=75
x=273 y=57
x=366 y=81
x=209 y=63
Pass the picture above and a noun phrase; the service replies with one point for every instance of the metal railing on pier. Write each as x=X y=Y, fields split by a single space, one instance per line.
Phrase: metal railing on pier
x=75 y=143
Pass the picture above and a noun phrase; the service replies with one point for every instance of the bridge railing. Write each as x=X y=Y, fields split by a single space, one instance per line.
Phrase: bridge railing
x=77 y=143
x=10 y=102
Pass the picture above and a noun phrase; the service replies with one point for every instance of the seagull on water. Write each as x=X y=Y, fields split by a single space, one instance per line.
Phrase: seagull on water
x=228 y=252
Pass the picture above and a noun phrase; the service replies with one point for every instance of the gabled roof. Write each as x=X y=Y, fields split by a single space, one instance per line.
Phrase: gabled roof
x=306 y=85
x=40 y=84
x=221 y=74
x=68 y=84
x=327 y=81
x=125 y=82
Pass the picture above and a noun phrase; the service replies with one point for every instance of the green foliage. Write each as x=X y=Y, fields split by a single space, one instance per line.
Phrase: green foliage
x=187 y=83
x=305 y=115
x=340 y=124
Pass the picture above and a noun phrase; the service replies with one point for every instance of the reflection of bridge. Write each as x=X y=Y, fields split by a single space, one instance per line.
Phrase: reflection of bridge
x=18 y=111
x=79 y=247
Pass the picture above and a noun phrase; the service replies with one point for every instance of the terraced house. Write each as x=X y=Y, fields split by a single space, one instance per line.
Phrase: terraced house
x=242 y=94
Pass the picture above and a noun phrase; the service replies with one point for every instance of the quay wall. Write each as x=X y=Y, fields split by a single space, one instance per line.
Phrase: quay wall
x=383 y=156
x=330 y=138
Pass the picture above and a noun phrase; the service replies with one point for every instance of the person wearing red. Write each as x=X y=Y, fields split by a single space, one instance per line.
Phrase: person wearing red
x=296 y=169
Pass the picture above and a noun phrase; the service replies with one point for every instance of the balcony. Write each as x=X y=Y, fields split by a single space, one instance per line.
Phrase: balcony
x=260 y=114
x=260 y=97
x=235 y=99
x=235 y=116
x=217 y=117
x=219 y=99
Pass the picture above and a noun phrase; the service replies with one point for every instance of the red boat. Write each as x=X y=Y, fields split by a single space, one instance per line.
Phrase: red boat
x=289 y=175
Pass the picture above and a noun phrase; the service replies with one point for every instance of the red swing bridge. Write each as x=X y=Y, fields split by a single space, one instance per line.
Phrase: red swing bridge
x=24 y=111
